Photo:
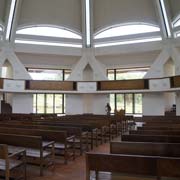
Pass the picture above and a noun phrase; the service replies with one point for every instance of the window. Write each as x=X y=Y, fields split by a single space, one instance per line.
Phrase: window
x=49 y=36
x=130 y=102
x=49 y=74
x=49 y=103
x=126 y=30
x=49 y=31
x=123 y=74
x=127 y=34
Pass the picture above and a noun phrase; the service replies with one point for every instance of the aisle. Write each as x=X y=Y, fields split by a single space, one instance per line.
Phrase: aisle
x=74 y=170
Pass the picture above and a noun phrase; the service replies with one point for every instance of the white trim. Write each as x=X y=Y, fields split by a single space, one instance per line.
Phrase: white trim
x=166 y=21
x=88 y=22
x=10 y=19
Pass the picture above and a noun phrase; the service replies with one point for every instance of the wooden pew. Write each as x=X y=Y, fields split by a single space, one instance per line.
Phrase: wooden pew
x=146 y=148
x=35 y=148
x=10 y=162
x=151 y=138
x=93 y=137
x=155 y=132
x=169 y=128
x=132 y=164
x=81 y=137
x=120 y=163
x=63 y=143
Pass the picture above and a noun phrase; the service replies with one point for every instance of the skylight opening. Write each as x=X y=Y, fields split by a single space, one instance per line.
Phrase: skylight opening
x=49 y=31
x=48 y=43
x=129 y=42
x=88 y=22
x=178 y=34
x=10 y=19
x=165 y=17
x=126 y=30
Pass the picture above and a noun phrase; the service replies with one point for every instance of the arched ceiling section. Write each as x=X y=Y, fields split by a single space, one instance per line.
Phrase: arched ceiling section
x=2 y=10
x=175 y=8
x=107 y=13
x=65 y=13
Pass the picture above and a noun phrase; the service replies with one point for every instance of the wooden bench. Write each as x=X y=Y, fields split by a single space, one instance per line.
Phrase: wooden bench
x=167 y=128
x=83 y=128
x=63 y=143
x=146 y=148
x=150 y=138
x=155 y=132
x=35 y=148
x=132 y=165
x=10 y=162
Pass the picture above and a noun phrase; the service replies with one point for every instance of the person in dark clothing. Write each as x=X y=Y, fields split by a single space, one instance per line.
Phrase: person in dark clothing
x=108 y=109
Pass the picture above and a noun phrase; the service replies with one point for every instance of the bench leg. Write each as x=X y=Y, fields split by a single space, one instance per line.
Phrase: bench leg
x=97 y=175
x=41 y=162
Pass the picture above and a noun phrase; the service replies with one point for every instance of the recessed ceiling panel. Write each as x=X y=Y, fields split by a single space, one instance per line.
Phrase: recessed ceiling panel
x=2 y=11
x=175 y=8
x=111 y=12
x=54 y=12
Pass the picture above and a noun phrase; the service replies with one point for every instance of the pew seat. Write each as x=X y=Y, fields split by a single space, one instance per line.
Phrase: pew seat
x=11 y=161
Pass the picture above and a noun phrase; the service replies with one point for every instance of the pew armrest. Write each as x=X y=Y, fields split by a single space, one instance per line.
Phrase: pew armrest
x=48 y=144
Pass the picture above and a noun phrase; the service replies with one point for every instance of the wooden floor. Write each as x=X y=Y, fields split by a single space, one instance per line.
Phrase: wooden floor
x=75 y=170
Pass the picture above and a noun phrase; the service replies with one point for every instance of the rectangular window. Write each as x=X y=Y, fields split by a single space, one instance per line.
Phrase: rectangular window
x=67 y=73
x=40 y=103
x=138 y=103
x=111 y=74
x=112 y=102
x=58 y=103
x=120 y=101
x=49 y=103
x=35 y=103
x=49 y=74
x=129 y=103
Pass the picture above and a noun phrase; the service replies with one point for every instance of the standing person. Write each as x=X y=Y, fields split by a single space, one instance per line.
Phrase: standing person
x=108 y=109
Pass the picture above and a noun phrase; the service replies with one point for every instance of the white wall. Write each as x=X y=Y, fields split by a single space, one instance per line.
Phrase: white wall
x=169 y=100
x=47 y=60
x=86 y=103
x=128 y=60
x=74 y=104
x=153 y=104
x=99 y=103
x=22 y=103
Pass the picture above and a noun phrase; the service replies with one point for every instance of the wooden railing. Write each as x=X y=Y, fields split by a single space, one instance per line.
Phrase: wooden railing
x=118 y=85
